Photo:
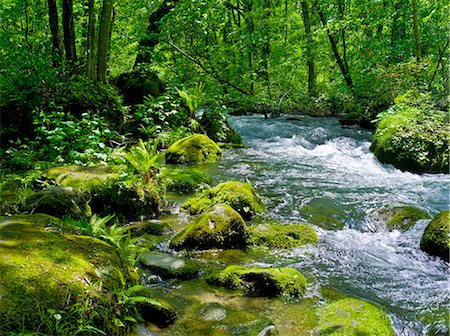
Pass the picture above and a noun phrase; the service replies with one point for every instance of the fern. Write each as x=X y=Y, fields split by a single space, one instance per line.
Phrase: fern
x=143 y=157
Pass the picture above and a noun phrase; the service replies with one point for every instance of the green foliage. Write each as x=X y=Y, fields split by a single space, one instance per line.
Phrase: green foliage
x=413 y=135
x=183 y=179
x=143 y=157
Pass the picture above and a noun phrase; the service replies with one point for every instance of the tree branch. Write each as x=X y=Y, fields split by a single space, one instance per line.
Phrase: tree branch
x=209 y=72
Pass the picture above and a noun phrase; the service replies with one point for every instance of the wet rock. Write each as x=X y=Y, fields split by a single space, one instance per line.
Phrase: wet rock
x=168 y=266
x=257 y=281
x=194 y=149
x=435 y=239
x=399 y=218
x=150 y=226
x=282 y=236
x=219 y=227
x=353 y=317
x=242 y=197
x=325 y=213
x=212 y=312
x=157 y=312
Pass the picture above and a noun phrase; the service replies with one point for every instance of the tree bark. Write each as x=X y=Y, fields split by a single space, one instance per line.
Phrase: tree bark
x=54 y=30
x=416 y=31
x=309 y=49
x=91 y=54
x=69 y=32
x=104 y=36
x=151 y=38
x=343 y=66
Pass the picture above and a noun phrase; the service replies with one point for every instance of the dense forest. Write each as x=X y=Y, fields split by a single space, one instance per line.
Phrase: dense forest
x=154 y=152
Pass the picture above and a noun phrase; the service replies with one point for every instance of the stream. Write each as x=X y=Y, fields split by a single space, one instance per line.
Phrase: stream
x=313 y=170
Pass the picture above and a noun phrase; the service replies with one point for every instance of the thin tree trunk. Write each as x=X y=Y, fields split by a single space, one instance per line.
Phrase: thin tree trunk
x=416 y=31
x=54 y=30
x=265 y=50
x=69 y=32
x=103 y=39
x=309 y=49
x=91 y=55
x=342 y=65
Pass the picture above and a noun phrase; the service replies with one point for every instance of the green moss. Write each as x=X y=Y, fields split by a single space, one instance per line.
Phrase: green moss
x=261 y=281
x=219 y=227
x=149 y=226
x=282 y=236
x=242 y=197
x=184 y=179
x=42 y=269
x=194 y=149
x=402 y=218
x=169 y=266
x=353 y=317
x=325 y=213
x=435 y=239
x=413 y=136
x=79 y=177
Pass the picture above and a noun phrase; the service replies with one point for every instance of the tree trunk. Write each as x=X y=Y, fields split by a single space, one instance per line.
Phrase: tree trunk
x=69 y=32
x=416 y=31
x=91 y=54
x=104 y=36
x=54 y=30
x=151 y=38
x=309 y=49
x=343 y=66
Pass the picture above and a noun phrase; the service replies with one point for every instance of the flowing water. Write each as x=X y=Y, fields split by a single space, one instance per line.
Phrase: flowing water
x=312 y=169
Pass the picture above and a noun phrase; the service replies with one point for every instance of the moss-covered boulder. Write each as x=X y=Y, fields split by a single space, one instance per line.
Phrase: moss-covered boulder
x=139 y=83
x=219 y=227
x=216 y=125
x=197 y=148
x=257 y=281
x=80 y=177
x=59 y=201
x=325 y=213
x=353 y=317
x=131 y=199
x=149 y=226
x=184 y=179
x=168 y=266
x=282 y=236
x=435 y=239
x=399 y=218
x=157 y=312
x=242 y=197
x=42 y=270
x=413 y=135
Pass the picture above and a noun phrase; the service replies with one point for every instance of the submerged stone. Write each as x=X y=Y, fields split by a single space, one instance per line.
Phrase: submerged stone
x=242 y=197
x=325 y=213
x=282 y=236
x=219 y=227
x=399 y=218
x=168 y=266
x=258 y=281
x=353 y=317
x=194 y=149
x=435 y=239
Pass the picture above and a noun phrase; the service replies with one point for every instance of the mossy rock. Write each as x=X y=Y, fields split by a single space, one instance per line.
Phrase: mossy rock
x=149 y=226
x=413 y=135
x=242 y=197
x=139 y=83
x=399 y=218
x=59 y=201
x=219 y=227
x=435 y=239
x=184 y=179
x=42 y=269
x=257 y=281
x=128 y=199
x=168 y=266
x=79 y=177
x=197 y=148
x=157 y=312
x=353 y=317
x=282 y=236
x=218 y=128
